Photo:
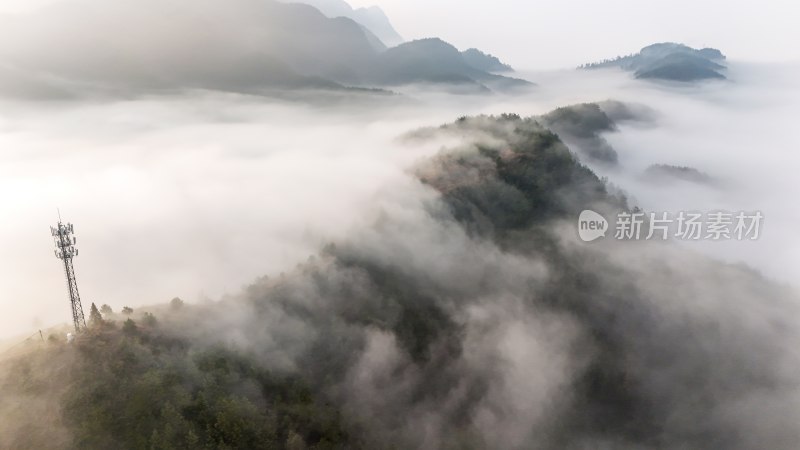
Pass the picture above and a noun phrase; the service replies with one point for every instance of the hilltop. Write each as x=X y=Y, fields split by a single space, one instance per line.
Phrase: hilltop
x=670 y=61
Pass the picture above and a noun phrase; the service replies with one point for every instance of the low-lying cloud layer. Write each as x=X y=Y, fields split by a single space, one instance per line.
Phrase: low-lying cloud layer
x=451 y=308
x=196 y=196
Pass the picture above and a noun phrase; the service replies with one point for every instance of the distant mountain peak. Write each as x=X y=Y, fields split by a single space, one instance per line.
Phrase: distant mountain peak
x=432 y=60
x=372 y=18
x=484 y=61
x=670 y=61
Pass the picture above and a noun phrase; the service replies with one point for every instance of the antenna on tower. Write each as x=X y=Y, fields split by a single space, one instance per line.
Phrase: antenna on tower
x=63 y=235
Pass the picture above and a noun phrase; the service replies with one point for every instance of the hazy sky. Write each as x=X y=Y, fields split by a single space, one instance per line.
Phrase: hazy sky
x=563 y=33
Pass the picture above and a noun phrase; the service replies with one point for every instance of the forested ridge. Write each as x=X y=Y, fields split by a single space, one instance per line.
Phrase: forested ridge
x=465 y=318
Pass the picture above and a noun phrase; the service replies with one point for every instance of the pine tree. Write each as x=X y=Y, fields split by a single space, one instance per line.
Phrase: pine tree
x=95 y=318
x=130 y=328
x=149 y=319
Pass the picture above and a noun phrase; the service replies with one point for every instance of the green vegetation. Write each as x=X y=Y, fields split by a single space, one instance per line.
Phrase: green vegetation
x=95 y=318
x=529 y=178
x=141 y=389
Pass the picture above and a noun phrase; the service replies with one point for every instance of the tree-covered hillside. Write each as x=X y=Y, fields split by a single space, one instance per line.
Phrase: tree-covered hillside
x=670 y=61
x=465 y=316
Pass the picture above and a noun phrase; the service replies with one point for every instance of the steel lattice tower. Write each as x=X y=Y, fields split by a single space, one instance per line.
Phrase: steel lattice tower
x=65 y=241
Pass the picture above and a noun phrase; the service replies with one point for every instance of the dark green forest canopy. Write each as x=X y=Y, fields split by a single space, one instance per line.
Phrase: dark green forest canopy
x=137 y=387
x=523 y=176
x=398 y=336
